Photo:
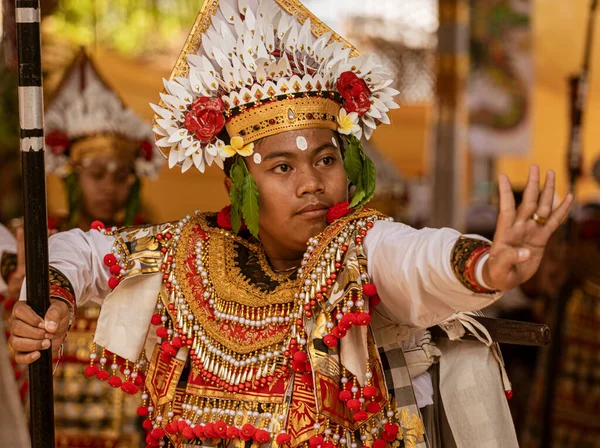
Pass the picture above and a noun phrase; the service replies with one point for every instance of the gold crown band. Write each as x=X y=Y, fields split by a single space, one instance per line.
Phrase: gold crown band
x=112 y=146
x=284 y=115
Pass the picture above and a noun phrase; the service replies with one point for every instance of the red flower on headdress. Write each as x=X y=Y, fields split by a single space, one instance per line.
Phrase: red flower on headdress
x=338 y=211
x=205 y=118
x=146 y=149
x=355 y=92
x=57 y=141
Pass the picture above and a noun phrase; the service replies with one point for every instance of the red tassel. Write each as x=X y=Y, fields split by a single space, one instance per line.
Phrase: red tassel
x=102 y=375
x=156 y=319
x=142 y=411
x=91 y=371
x=115 y=381
x=373 y=408
x=283 y=439
x=354 y=404
x=369 y=391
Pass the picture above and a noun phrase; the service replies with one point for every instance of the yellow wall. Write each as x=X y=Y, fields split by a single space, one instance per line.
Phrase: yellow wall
x=559 y=32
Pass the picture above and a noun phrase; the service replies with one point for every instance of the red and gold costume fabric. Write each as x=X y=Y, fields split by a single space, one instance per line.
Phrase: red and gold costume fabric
x=239 y=354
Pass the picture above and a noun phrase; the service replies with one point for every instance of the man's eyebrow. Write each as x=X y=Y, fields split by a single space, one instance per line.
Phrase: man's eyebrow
x=293 y=154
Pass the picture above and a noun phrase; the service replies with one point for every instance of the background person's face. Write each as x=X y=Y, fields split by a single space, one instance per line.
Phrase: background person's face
x=105 y=185
x=300 y=175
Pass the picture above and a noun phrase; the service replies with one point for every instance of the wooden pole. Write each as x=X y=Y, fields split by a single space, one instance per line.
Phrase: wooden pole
x=31 y=120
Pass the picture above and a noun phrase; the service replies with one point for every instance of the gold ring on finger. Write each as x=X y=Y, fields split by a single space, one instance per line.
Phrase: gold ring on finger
x=539 y=220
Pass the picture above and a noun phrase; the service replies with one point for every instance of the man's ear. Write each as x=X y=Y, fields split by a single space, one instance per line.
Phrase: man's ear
x=228 y=184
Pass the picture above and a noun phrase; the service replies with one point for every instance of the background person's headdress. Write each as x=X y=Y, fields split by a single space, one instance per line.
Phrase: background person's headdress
x=85 y=119
x=255 y=68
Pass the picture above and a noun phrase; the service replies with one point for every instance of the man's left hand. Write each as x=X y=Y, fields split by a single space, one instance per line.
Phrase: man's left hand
x=522 y=234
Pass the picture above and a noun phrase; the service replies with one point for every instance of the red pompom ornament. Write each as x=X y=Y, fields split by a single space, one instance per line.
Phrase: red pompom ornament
x=348 y=320
x=142 y=411
x=147 y=424
x=91 y=371
x=307 y=380
x=110 y=260
x=162 y=332
x=391 y=428
x=330 y=340
x=369 y=289
x=115 y=381
x=156 y=319
x=209 y=430
x=299 y=366
x=369 y=391
x=283 y=439
x=338 y=211
x=221 y=428
x=300 y=356
x=158 y=433
x=360 y=416
x=315 y=441
x=374 y=301
x=247 y=431
x=232 y=432
x=338 y=332
x=363 y=319
x=188 y=433
x=198 y=431
x=354 y=404
x=102 y=375
x=97 y=225
x=262 y=436
x=115 y=269
x=373 y=408
x=113 y=282
x=345 y=395
x=379 y=443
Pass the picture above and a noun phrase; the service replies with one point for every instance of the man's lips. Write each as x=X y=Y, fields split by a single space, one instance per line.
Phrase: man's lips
x=313 y=211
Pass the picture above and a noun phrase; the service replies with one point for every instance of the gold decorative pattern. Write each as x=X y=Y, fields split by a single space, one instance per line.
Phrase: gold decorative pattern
x=114 y=146
x=333 y=231
x=464 y=257
x=229 y=285
x=284 y=115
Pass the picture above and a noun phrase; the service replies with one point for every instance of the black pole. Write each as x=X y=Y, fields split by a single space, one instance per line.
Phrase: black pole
x=578 y=89
x=31 y=119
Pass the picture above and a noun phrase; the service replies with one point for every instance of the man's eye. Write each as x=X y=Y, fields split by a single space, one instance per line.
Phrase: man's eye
x=283 y=168
x=328 y=161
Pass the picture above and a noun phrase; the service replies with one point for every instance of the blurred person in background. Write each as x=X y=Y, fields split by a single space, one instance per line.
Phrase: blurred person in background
x=576 y=405
x=101 y=150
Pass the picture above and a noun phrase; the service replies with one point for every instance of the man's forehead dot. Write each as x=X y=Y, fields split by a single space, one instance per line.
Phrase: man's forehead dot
x=334 y=141
x=257 y=158
x=301 y=143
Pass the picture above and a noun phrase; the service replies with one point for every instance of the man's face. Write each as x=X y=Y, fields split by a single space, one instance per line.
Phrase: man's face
x=105 y=185
x=300 y=174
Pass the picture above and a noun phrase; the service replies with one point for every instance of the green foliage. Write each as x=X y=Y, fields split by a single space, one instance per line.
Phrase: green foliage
x=244 y=197
x=130 y=26
x=361 y=172
x=250 y=204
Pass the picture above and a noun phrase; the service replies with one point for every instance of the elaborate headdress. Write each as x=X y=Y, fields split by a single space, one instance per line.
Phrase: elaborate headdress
x=255 y=68
x=86 y=118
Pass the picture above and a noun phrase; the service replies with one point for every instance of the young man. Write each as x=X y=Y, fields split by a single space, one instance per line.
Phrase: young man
x=252 y=325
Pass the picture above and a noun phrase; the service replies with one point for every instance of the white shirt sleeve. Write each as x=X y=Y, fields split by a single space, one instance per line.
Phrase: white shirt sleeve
x=414 y=277
x=80 y=257
x=8 y=244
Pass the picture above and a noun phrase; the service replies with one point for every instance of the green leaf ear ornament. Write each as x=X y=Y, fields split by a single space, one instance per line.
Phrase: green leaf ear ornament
x=361 y=172
x=244 y=197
